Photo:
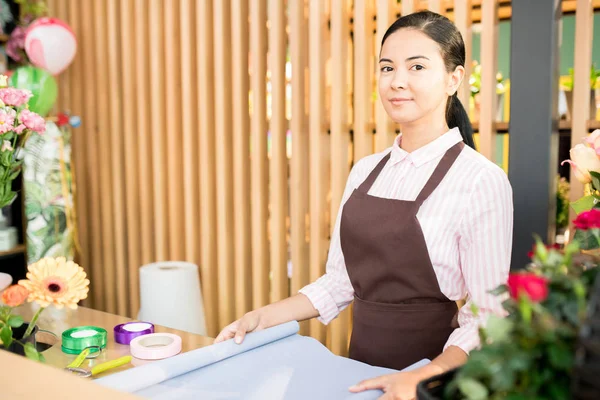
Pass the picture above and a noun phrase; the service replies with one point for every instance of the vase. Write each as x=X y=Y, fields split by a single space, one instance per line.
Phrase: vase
x=18 y=345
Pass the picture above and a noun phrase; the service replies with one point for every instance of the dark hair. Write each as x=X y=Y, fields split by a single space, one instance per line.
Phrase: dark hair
x=444 y=32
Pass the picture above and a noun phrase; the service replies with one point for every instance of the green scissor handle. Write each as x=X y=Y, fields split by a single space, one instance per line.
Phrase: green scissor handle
x=80 y=358
x=98 y=369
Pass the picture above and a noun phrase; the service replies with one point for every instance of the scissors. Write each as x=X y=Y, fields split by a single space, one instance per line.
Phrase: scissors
x=97 y=369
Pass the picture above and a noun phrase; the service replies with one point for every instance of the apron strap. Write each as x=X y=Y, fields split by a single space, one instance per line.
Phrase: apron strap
x=366 y=185
x=440 y=172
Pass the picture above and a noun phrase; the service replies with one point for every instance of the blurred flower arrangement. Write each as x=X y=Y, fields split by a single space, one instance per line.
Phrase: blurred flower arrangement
x=475 y=80
x=567 y=82
x=530 y=353
x=16 y=123
x=29 y=10
x=585 y=164
x=50 y=281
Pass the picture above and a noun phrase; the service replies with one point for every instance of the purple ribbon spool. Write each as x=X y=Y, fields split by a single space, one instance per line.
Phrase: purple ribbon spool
x=125 y=333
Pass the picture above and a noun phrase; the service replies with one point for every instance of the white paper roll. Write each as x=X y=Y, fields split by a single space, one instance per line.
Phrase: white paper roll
x=170 y=295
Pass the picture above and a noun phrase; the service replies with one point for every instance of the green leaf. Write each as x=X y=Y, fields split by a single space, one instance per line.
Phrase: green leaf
x=595 y=180
x=472 y=389
x=6 y=336
x=31 y=352
x=586 y=239
x=559 y=391
x=516 y=396
x=15 y=321
x=560 y=356
x=6 y=157
x=499 y=290
x=498 y=328
x=42 y=358
x=585 y=203
x=14 y=175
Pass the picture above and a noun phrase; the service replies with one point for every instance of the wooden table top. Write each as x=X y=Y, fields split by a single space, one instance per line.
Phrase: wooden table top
x=57 y=321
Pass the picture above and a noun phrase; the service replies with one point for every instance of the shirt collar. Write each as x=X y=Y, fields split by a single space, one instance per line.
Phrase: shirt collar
x=426 y=153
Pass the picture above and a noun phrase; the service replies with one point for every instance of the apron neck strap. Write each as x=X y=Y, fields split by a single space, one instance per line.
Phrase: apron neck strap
x=366 y=185
x=440 y=172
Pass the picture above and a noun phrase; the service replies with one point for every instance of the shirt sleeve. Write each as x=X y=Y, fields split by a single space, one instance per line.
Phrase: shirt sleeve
x=333 y=292
x=485 y=247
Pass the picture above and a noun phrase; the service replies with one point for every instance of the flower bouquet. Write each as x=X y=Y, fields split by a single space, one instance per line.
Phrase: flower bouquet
x=50 y=281
x=585 y=163
x=16 y=123
x=530 y=353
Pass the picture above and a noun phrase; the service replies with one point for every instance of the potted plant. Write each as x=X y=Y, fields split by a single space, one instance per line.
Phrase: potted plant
x=475 y=86
x=567 y=87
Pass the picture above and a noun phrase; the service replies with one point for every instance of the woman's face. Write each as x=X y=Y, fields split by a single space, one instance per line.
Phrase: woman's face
x=413 y=82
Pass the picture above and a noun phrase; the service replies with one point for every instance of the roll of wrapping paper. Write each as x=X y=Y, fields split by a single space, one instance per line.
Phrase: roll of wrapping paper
x=125 y=333
x=75 y=340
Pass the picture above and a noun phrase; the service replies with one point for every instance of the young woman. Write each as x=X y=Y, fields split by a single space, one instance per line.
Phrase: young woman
x=422 y=224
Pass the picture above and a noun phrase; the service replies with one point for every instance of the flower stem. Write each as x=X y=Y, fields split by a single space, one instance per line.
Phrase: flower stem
x=33 y=322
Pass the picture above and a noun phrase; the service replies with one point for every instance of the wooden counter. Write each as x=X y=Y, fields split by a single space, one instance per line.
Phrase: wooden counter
x=23 y=378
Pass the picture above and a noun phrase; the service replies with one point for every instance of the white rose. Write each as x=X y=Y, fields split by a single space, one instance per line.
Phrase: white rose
x=583 y=160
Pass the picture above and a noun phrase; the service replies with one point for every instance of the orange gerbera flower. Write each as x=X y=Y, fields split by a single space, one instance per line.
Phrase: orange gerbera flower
x=56 y=281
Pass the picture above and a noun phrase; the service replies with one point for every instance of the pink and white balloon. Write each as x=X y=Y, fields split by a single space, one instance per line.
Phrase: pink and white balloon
x=50 y=44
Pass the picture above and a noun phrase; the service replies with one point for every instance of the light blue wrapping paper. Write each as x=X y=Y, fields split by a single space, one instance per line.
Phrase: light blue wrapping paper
x=275 y=363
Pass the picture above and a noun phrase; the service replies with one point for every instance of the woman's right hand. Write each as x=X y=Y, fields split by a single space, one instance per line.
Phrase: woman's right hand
x=250 y=322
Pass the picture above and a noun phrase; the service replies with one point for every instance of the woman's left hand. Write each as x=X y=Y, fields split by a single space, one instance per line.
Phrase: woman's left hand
x=397 y=386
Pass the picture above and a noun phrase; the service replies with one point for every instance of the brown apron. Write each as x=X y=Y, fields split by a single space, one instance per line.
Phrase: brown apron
x=400 y=315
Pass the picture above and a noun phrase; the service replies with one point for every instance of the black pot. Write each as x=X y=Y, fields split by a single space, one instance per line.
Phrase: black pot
x=18 y=344
x=433 y=388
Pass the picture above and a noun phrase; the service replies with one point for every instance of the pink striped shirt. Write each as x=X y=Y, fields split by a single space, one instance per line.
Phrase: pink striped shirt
x=467 y=223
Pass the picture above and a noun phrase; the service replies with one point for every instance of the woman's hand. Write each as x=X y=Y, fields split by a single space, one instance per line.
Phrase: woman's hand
x=295 y=308
x=250 y=322
x=397 y=386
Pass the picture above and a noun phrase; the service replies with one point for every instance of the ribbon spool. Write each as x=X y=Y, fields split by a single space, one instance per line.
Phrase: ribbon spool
x=155 y=346
x=125 y=333
x=75 y=340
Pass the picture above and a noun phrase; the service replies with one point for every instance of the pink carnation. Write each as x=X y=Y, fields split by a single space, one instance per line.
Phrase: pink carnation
x=32 y=121
x=7 y=120
x=15 y=97
x=19 y=129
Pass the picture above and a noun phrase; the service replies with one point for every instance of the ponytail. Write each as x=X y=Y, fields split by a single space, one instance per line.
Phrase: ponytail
x=457 y=117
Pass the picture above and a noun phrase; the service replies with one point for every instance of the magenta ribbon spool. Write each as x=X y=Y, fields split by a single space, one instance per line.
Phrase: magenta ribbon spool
x=125 y=333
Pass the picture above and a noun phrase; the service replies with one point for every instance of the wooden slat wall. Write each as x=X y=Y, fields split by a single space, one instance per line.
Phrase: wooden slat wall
x=299 y=188
x=241 y=158
x=489 y=65
x=462 y=12
x=319 y=151
x=363 y=77
x=339 y=139
x=278 y=166
x=384 y=132
x=208 y=196
x=171 y=160
x=259 y=167
x=224 y=159
x=584 y=28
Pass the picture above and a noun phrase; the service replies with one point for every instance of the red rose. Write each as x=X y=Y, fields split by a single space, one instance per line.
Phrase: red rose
x=533 y=286
x=588 y=220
